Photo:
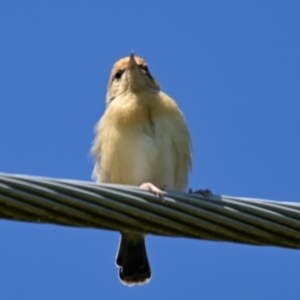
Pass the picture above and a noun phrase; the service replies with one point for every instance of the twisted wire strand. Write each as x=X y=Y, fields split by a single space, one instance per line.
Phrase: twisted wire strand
x=121 y=208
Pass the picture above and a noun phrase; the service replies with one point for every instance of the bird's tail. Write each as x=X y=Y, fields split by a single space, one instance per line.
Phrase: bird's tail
x=132 y=259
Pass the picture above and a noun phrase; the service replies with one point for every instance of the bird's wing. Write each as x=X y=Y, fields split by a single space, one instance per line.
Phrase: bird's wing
x=181 y=142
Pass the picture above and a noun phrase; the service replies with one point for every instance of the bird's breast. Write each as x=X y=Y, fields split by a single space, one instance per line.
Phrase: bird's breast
x=137 y=147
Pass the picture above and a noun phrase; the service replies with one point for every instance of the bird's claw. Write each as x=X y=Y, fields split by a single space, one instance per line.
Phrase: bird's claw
x=204 y=193
x=152 y=188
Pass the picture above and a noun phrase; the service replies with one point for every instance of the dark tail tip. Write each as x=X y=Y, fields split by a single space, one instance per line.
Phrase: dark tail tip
x=132 y=260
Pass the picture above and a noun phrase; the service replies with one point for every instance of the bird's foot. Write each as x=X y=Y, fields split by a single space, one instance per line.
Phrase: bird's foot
x=152 y=188
x=204 y=193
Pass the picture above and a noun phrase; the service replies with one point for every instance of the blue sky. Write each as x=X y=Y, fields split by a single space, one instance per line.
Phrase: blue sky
x=234 y=69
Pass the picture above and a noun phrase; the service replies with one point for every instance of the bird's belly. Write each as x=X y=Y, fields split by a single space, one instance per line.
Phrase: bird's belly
x=140 y=158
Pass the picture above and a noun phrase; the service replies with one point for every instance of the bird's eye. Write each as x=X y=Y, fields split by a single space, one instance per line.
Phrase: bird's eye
x=119 y=74
x=147 y=72
x=146 y=69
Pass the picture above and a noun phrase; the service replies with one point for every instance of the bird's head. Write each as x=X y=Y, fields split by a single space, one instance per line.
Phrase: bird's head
x=130 y=74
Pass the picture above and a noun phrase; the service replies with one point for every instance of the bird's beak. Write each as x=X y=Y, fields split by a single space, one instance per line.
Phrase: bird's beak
x=131 y=63
x=135 y=78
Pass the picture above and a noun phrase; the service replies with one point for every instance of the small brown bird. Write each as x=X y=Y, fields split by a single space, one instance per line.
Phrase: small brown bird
x=142 y=139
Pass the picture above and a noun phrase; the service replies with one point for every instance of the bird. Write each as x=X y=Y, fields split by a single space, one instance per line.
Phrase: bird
x=142 y=139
